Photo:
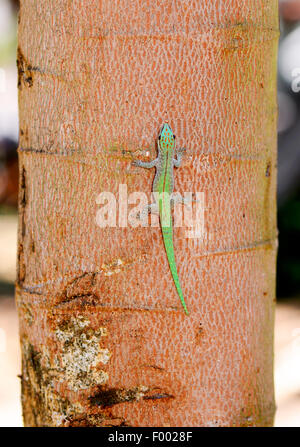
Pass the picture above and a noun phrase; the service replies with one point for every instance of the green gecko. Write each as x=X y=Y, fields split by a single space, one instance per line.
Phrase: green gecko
x=163 y=185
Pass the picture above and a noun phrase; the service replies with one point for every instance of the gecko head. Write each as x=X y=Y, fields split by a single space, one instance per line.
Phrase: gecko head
x=166 y=138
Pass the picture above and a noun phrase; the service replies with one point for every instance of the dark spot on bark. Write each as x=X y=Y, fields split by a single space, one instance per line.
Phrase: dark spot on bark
x=23 y=227
x=97 y=420
x=79 y=300
x=80 y=291
x=199 y=333
x=22 y=205
x=23 y=188
x=267 y=200
x=24 y=136
x=159 y=396
x=137 y=334
x=29 y=81
x=21 y=265
x=81 y=288
x=154 y=367
x=113 y=396
x=107 y=397
x=25 y=71
x=34 y=359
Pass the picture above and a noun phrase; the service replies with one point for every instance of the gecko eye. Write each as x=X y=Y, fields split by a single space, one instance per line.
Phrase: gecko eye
x=159 y=137
x=174 y=136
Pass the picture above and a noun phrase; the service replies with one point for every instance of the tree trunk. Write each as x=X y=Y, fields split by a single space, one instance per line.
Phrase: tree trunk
x=104 y=338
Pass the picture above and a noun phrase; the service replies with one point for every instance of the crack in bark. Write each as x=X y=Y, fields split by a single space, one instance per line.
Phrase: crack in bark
x=25 y=70
x=21 y=273
x=105 y=398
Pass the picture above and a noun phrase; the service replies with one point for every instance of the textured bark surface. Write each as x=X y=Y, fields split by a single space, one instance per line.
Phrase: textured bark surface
x=104 y=338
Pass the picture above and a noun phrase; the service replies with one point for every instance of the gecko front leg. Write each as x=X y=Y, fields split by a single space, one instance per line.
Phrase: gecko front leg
x=145 y=164
x=152 y=208
x=179 y=153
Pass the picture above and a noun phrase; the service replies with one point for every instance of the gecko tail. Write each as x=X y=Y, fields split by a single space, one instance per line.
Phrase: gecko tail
x=184 y=305
x=182 y=301
x=168 y=241
x=173 y=269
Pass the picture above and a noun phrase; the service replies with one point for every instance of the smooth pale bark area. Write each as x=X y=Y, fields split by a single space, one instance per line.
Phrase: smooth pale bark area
x=104 y=338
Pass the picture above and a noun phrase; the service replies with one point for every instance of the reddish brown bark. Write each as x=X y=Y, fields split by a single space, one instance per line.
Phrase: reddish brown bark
x=104 y=338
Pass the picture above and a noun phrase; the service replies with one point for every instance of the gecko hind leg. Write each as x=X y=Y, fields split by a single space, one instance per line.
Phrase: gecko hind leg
x=179 y=154
x=178 y=199
x=152 y=208
x=142 y=215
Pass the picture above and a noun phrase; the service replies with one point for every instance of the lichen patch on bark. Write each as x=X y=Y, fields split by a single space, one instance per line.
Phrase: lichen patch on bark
x=81 y=354
x=42 y=404
x=75 y=364
x=25 y=71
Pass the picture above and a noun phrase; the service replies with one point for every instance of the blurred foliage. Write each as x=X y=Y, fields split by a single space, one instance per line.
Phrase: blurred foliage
x=8 y=41
x=288 y=266
x=8 y=48
x=7 y=210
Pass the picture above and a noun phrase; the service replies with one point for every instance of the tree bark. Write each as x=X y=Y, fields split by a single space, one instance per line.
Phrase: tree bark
x=104 y=338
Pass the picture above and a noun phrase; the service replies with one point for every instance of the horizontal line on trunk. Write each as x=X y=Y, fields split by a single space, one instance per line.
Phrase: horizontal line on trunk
x=250 y=247
x=36 y=289
x=227 y=157
x=190 y=34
